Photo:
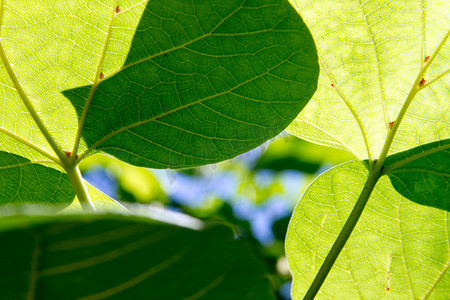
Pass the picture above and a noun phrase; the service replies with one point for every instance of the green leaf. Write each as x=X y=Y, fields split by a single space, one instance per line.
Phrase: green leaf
x=422 y=174
x=154 y=83
x=398 y=250
x=25 y=182
x=200 y=83
x=367 y=73
x=117 y=257
x=383 y=96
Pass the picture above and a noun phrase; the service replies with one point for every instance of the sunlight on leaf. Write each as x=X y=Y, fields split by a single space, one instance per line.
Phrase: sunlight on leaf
x=367 y=72
x=198 y=94
x=155 y=83
x=383 y=95
x=398 y=250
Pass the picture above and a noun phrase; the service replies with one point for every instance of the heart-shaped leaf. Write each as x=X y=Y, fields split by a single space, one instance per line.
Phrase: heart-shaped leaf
x=398 y=250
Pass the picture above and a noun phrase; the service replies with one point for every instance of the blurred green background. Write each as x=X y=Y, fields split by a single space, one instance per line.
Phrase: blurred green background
x=255 y=193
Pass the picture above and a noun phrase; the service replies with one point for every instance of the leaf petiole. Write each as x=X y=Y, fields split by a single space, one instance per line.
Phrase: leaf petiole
x=80 y=188
x=374 y=175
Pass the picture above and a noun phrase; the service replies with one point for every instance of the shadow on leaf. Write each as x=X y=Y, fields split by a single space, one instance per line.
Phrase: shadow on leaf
x=422 y=174
x=22 y=182
x=201 y=83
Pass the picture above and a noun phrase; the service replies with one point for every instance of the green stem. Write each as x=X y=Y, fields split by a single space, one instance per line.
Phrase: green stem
x=346 y=231
x=80 y=188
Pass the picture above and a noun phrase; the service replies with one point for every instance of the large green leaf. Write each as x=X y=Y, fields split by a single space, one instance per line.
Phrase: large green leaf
x=371 y=56
x=398 y=250
x=202 y=93
x=383 y=96
x=182 y=83
x=117 y=257
x=154 y=83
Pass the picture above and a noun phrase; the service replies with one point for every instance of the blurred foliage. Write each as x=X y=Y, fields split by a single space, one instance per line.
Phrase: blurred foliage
x=135 y=184
x=291 y=153
x=260 y=178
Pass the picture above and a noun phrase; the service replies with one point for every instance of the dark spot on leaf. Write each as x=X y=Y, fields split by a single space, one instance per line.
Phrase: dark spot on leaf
x=391 y=124
x=388 y=288
x=427 y=58
x=422 y=82
x=165 y=54
x=68 y=154
x=332 y=85
x=102 y=75
x=117 y=9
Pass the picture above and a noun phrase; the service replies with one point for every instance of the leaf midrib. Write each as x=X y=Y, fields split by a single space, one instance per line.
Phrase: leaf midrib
x=415 y=89
x=142 y=276
x=383 y=97
x=430 y=291
x=29 y=144
x=35 y=255
x=126 y=128
x=98 y=80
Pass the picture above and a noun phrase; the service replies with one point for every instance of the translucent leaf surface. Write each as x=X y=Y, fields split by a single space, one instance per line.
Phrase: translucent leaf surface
x=383 y=95
x=200 y=83
x=218 y=78
x=398 y=250
x=372 y=55
x=154 y=83
x=116 y=257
